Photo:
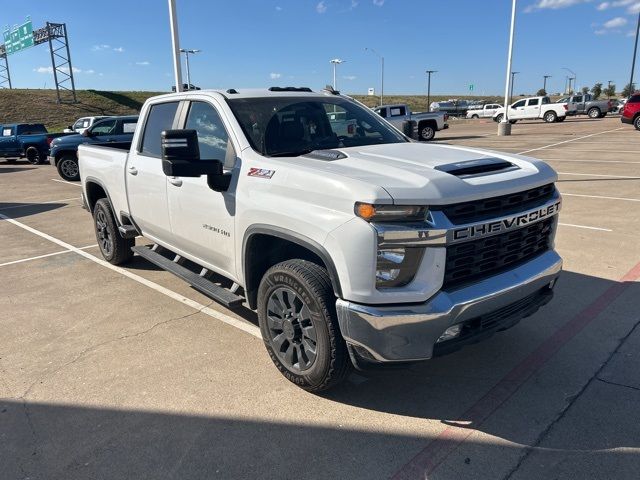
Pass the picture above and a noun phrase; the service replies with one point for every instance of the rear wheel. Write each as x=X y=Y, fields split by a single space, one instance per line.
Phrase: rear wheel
x=550 y=117
x=68 y=168
x=33 y=155
x=594 y=112
x=299 y=325
x=513 y=122
x=115 y=249
x=636 y=122
x=427 y=132
x=561 y=119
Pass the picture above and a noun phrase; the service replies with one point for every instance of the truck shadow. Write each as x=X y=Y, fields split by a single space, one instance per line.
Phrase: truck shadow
x=18 y=210
x=15 y=169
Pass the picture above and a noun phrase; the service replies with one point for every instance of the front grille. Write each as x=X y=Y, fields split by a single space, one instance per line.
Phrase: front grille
x=504 y=205
x=478 y=259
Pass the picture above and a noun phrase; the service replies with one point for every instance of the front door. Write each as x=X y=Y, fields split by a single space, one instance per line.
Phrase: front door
x=146 y=182
x=9 y=141
x=202 y=220
x=517 y=110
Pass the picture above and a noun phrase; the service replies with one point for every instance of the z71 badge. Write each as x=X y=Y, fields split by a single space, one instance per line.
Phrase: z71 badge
x=261 y=173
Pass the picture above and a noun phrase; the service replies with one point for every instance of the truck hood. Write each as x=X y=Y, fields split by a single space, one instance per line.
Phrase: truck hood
x=434 y=173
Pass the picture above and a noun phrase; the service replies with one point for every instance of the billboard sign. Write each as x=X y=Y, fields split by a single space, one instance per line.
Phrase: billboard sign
x=18 y=38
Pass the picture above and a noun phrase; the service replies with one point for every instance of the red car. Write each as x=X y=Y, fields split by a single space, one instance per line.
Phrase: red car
x=631 y=111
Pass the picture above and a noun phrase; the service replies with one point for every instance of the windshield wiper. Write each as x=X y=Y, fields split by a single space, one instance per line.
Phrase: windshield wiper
x=297 y=153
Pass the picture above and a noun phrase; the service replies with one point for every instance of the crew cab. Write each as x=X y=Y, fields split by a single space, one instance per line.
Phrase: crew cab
x=363 y=248
x=483 y=111
x=110 y=130
x=424 y=124
x=631 y=111
x=585 y=104
x=25 y=140
x=531 y=109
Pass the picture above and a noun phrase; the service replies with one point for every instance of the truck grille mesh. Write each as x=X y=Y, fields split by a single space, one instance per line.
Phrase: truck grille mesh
x=504 y=205
x=478 y=259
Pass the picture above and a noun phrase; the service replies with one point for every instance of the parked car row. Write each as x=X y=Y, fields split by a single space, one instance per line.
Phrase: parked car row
x=533 y=108
x=26 y=140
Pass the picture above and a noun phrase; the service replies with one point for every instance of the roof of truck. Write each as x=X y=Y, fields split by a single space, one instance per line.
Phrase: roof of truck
x=232 y=93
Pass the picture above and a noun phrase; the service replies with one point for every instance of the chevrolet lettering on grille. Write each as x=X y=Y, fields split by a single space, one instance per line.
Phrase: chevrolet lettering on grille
x=478 y=230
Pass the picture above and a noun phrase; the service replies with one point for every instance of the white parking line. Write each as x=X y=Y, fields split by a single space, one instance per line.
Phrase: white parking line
x=584 y=226
x=68 y=183
x=585 y=161
x=599 y=175
x=572 y=140
x=44 y=256
x=601 y=197
x=241 y=325
x=22 y=205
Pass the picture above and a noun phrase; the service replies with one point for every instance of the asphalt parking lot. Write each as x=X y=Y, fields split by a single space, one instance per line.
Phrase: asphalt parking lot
x=129 y=373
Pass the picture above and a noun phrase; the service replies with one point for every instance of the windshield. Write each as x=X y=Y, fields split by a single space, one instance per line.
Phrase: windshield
x=290 y=126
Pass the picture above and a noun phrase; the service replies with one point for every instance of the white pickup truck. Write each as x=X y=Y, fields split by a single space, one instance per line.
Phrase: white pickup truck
x=423 y=125
x=533 y=108
x=483 y=111
x=363 y=248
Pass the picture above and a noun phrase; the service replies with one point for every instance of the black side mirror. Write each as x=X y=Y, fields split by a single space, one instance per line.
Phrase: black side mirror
x=181 y=155
x=87 y=133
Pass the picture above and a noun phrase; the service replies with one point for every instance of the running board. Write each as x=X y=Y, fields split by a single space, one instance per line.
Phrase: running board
x=201 y=284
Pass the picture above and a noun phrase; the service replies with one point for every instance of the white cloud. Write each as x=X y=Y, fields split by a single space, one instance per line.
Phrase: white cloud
x=635 y=8
x=144 y=64
x=553 y=4
x=64 y=69
x=321 y=7
x=349 y=77
x=274 y=76
x=118 y=49
x=97 y=48
x=601 y=32
x=615 y=22
x=604 y=6
x=378 y=3
x=90 y=71
x=278 y=8
x=354 y=4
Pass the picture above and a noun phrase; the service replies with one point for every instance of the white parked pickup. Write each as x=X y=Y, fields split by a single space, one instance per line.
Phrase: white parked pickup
x=483 y=111
x=533 y=108
x=356 y=247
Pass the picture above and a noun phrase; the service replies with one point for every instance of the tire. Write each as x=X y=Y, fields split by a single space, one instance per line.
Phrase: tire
x=602 y=115
x=594 y=112
x=513 y=122
x=475 y=116
x=426 y=132
x=301 y=302
x=561 y=119
x=636 y=122
x=499 y=118
x=550 y=117
x=115 y=249
x=33 y=155
x=68 y=168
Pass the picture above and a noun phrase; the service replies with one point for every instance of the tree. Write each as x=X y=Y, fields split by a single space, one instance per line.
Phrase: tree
x=610 y=91
x=585 y=90
x=541 y=93
x=628 y=90
x=597 y=90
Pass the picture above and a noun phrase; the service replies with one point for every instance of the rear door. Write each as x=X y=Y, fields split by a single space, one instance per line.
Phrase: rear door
x=202 y=220
x=532 y=109
x=146 y=182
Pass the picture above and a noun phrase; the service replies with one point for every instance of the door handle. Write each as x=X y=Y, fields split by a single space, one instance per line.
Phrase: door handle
x=175 y=181
x=133 y=170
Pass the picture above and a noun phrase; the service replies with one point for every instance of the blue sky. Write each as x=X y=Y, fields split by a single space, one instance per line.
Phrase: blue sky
x=125 y=45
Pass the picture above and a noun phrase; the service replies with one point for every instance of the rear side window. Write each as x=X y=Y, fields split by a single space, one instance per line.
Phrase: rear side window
x=577 y=99
x=31 y=129
x=634 y=99
x=382 y=112
x=160 y=118
x=397 y=111
x=129 y=126
x=533 y=102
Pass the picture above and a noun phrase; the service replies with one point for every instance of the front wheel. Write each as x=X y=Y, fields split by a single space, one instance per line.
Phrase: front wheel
x=550 y=117
x=299 y=325
x=115 y=249
x=499 y=118
x=68 y=168
x=636 y=122
x=475 y=116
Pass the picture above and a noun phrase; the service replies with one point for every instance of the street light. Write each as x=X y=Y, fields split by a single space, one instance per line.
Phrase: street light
x=429 y=72
x=335 y=62
x=574 y=84
x=633 y=62
x=188 y=52
x=574 y=77
x=175 y=43
x=381 y=72
x=513 y=75
x=544 y=87
x=504 y=128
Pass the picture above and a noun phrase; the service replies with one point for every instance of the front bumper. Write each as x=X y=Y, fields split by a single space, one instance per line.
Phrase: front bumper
x=404 y=333
x=626 y=120
x=51 y=160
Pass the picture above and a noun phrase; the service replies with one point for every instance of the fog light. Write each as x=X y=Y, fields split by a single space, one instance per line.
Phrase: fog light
x=450 y=333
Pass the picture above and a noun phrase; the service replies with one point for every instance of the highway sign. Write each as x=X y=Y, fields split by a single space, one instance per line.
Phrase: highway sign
x=471 y=87
x=18 y=38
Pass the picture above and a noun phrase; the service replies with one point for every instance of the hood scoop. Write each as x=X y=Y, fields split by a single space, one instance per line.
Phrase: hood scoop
x=327 y=155
x=482 y=166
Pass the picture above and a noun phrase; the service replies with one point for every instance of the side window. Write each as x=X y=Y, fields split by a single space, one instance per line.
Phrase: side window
x=382 y=112
x=160 y=118
x=7 y=132
x=129 y=126
x=106 y=127
x=546 y=101
x=519 y=104
x=533 y=102
x=398 y=111
x=212 y=136
x=577 y=99
x=78 y=124
x=634 y=99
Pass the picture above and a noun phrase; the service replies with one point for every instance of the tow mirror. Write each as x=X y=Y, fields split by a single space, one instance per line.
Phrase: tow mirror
x=181 y=155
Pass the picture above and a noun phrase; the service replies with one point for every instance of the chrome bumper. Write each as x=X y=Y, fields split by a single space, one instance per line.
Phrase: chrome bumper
x=402 y=333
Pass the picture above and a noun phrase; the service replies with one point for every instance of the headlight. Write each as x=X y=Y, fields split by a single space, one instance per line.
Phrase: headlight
x=396 y=267
x=391 y=213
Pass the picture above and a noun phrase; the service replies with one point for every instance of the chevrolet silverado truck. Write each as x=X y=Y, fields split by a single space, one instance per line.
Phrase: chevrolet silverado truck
x=25 y=140
x=423 y=125
x=357 y=249
x=533 y=108
x=585 y=104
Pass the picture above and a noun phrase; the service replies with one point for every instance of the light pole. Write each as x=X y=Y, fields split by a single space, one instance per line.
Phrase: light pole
x=429 y=72
x=187 y=53
x=574 y=77
x=381 y=73
x=335 y=62
x=504 y=128
x=609 y=82
x=574 y=84
x=544 y=87
x=633 y=62
x=175 y=41
x=513 y=76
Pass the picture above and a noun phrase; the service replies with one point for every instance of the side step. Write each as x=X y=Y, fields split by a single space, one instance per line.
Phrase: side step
x=210 y=289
